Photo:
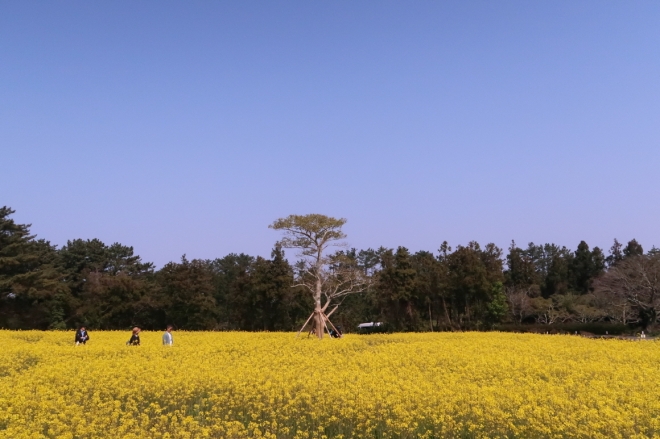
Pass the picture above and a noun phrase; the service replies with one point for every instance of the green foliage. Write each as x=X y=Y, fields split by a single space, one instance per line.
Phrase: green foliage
x=473 y=272
x=187 y=295
x=110 y=285
x=275 y=301
x=585 y=266
x=616 y=253
x=633 y=249
x=498 y=307
x=396 y=289
x=31 y=291
x=87 y=282
x=521 y=268
x=310 y=233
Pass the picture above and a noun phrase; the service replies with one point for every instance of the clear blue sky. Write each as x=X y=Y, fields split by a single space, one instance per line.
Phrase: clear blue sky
x=188 y=127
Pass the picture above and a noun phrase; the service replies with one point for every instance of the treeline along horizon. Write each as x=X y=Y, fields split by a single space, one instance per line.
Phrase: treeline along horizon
x=87 y=282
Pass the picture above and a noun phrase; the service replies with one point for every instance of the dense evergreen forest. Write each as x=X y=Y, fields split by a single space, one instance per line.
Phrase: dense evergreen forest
x=467 y=287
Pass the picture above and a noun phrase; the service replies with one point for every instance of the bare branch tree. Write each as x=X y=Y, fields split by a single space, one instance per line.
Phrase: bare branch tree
x=634 y=281
x=520 y=302
x=585 y=308
x=547 y=311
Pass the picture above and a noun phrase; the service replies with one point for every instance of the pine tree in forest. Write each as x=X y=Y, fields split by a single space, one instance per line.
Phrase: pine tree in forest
x=396 y=289
x=633 y=249
x=31 y=291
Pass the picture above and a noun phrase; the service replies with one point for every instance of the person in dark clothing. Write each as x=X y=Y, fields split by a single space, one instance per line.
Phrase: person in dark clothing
x=135 y=338
x=336 y=333
x=81 y=336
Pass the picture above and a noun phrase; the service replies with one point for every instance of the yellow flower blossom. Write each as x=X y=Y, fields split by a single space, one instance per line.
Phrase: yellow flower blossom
x=273 y=385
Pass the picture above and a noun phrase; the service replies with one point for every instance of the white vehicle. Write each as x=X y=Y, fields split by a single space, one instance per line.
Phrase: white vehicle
x=368 y=328
x=369 y=325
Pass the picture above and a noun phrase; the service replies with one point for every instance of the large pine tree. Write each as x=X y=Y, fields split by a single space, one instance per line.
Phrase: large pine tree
x=31 y=291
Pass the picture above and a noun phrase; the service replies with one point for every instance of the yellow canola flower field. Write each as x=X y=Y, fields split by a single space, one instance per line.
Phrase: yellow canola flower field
x=273 y=385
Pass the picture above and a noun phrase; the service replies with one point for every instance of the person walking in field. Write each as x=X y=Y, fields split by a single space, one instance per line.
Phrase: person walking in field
x=81 y=336
x=135 y=338
x=168 y=340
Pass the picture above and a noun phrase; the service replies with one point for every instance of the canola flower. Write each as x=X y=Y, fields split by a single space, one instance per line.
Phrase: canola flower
x=272 y=385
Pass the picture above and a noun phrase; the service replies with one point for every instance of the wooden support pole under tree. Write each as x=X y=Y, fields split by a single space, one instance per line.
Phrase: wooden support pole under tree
x=332 y=310
x=303 y=326
x=333 y=326
x=325 y=323
x=335 y=308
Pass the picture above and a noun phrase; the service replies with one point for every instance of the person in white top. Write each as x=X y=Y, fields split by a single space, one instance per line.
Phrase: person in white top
x=168 y=340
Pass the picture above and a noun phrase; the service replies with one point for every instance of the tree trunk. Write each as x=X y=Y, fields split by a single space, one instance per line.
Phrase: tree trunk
x=444 y=305
x=430 y=317
x=318 y=311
